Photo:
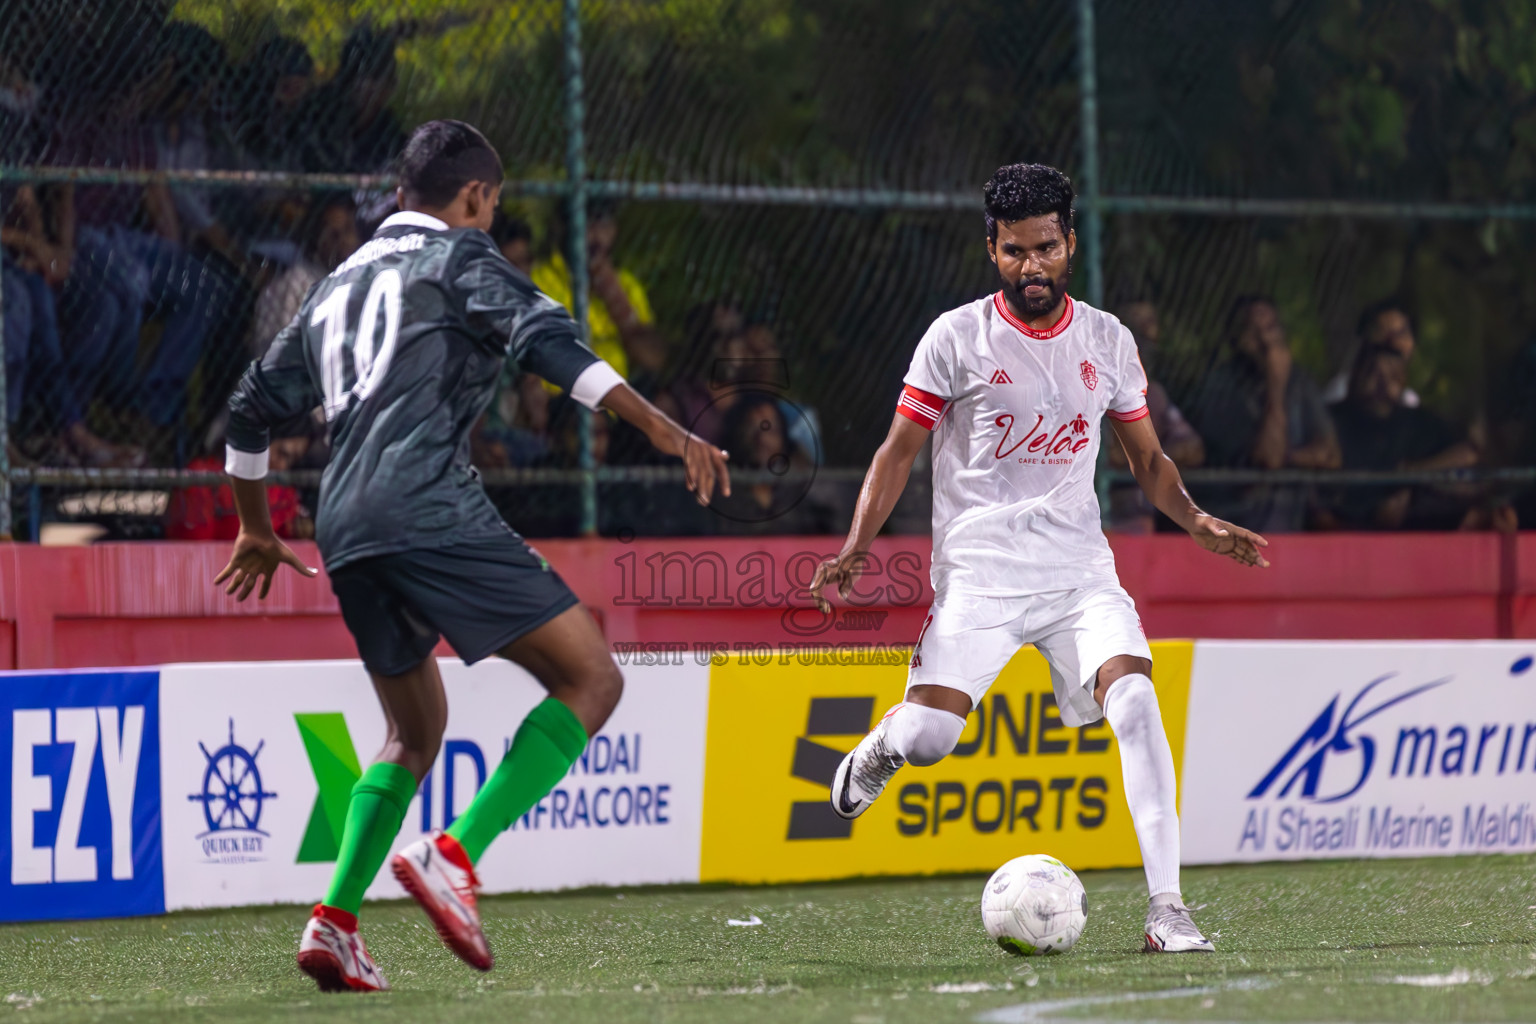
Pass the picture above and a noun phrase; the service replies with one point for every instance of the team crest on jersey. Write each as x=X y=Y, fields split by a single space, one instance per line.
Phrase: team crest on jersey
x=1001 y=377
x=1090 y=375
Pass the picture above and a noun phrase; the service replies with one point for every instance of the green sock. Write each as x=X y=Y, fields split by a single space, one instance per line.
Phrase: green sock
x=548 y=742
x=378 y=807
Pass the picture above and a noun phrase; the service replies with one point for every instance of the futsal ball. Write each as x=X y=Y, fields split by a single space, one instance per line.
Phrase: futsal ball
x=1034 y=906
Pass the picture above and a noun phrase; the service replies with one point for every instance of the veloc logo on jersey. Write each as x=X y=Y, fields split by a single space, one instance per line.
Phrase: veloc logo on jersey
x=1042 y=445
x=1090 y=375
x=1001 y=377
x=232 y=797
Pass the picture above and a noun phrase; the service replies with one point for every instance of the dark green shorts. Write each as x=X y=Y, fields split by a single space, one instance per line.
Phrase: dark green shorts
x=480 y=594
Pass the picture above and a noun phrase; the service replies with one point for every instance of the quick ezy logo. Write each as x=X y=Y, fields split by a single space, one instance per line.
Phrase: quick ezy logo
x=232 y=797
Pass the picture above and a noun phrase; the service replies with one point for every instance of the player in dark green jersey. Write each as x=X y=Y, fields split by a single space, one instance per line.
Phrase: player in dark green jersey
x=402 y=346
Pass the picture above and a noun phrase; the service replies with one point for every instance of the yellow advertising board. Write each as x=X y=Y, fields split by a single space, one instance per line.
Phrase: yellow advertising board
x=1018 y=782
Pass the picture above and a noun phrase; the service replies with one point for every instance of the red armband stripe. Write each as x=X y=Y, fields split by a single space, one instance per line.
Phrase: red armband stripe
x=920 y=406
x=1132 y=416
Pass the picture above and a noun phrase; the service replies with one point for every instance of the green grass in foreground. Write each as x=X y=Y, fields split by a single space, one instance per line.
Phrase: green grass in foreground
x=1368 y=941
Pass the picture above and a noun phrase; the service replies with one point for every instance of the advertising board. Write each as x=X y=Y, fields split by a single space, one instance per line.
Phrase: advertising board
x=1309 y=750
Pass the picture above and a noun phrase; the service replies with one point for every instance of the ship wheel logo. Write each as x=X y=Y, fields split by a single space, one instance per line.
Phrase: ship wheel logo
x=232 y=796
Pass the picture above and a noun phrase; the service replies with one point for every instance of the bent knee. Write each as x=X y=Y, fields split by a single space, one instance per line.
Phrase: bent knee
x=1133 y=697
x=599 y=687
x=609 y=684
x=1118 y=668
x=924 y=736
x=415 y=753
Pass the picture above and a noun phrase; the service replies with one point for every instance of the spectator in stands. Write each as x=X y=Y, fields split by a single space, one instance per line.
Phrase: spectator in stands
x=329 y=235
x=758 y=442
x=32 y=265
x=619 y=319
x=567 y=441
x=703 y=395
x=261 y=110
x=770 y=369
x=1377 y=431
x=34 y=371
x=191 y=67
x=347 y=122
x=515 y=432
x=208 y=513
x=266 y=102
x=1130 y=512
x=125 y=265
x=31 y=343
x=515 y=240
x=707 y=319
x=1385 y=323
x=1257 y=409
x=706 y=328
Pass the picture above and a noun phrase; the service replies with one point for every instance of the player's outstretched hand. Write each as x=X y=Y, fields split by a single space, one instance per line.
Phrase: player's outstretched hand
x=1238 y=544
x=255 y=559
x=843 y=571
x=706 y=465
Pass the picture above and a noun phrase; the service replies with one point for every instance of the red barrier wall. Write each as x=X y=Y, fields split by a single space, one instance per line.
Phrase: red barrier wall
x=142 y=604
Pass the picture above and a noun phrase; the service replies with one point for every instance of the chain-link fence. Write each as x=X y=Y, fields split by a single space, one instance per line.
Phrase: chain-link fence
x=760 y=205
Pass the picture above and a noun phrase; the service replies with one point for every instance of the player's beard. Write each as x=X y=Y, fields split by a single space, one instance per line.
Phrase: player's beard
x=1046 y=301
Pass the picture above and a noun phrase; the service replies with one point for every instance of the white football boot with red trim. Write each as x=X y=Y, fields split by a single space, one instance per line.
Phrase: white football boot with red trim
x=332 y=952
x=1170 y=930
x=437 y=873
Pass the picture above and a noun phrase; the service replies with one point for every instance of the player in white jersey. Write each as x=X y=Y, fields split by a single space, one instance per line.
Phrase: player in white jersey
x=1013 y=388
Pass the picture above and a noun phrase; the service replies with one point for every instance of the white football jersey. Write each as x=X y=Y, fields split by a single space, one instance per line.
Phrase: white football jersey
x=1015 y=415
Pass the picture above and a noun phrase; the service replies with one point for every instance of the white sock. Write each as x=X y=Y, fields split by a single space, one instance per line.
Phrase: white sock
x=922 y=735
x=1151 y=790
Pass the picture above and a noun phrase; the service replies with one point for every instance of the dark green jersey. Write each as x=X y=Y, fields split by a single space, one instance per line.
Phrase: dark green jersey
x=403 y=346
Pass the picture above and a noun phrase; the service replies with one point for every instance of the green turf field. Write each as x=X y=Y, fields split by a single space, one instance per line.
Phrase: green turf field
x=1413 y=940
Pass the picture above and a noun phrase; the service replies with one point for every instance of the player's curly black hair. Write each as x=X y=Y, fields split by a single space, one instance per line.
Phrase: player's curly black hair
x=444 y=156
x=1021 y=191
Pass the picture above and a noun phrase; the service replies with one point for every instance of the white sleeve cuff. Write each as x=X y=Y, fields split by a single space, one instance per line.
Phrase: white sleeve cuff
x=594 y=383
x=245 y=465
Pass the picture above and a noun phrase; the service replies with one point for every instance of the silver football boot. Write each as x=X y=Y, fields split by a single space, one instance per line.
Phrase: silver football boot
x=862 y=775
x=1170 y=930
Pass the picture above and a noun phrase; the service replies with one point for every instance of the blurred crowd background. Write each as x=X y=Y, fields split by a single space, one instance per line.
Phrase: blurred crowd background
x=1318 y=221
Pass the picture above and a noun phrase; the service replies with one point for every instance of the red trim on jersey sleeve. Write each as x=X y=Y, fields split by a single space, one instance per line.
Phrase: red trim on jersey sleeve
x=1132 y=416
x=920 y=406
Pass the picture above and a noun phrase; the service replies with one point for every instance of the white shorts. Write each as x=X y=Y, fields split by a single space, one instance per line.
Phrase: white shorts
x=967 y=639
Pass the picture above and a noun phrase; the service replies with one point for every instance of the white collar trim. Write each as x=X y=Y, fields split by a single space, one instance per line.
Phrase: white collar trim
x=413 y=219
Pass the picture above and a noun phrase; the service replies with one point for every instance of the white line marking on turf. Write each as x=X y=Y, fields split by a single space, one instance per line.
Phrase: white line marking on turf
x=1024 y=1013
x=751 y=922
x=1460 y=976
x=970 y=986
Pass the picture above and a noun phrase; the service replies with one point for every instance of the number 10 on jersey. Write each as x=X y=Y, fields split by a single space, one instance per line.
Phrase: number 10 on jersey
x=369 y=361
